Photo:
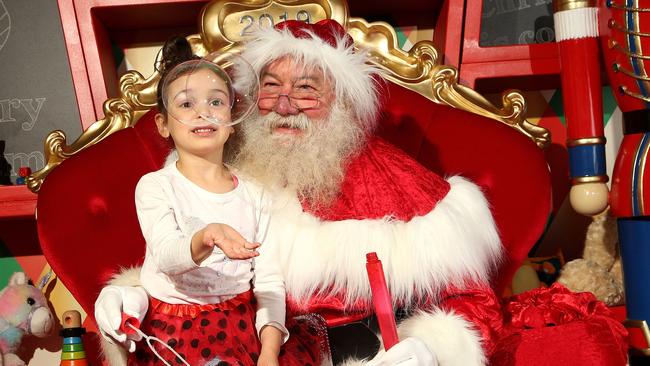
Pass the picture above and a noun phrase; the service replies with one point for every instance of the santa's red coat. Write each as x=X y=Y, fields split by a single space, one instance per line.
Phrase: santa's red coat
x=439 y=245
x=436 y=238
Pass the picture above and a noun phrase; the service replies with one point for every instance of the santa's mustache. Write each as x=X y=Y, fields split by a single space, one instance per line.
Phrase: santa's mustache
x=312 y=163
x=299 y=121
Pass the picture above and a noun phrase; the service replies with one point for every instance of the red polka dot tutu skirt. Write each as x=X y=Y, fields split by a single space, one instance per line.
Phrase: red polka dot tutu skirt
x=224 y=334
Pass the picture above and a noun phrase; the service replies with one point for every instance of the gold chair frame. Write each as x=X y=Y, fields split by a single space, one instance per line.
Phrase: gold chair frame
x=223 y=26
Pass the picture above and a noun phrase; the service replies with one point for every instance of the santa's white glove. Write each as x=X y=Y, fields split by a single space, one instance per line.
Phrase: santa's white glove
x=409 y=352
x=113 y=303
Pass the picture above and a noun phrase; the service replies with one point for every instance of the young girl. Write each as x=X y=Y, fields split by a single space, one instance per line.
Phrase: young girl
x=203 y=226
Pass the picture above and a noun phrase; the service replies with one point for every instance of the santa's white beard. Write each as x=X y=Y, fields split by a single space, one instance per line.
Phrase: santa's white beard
x=311 y=163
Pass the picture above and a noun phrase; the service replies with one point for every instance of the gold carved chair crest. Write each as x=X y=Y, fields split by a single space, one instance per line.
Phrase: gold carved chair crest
x=225 y=25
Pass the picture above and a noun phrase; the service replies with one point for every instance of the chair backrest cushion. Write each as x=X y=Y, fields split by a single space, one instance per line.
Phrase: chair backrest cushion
x=86 y=218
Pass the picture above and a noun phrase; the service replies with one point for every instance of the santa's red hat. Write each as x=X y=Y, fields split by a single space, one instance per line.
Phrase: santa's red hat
x=324 y=44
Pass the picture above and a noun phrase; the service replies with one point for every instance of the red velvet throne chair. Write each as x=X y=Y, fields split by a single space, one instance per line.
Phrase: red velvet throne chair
x=87 y=222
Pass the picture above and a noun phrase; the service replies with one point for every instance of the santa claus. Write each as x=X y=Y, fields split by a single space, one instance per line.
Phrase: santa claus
x=341 y=192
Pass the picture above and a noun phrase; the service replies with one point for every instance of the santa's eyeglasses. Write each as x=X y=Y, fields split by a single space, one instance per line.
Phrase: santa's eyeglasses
x=297 y=99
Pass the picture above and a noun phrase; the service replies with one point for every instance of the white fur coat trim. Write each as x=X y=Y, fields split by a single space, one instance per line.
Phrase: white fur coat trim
x=455 y=243
x=449 y=337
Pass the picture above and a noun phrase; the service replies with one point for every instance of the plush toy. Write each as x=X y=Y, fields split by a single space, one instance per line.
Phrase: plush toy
x=23 y=311
x=599 y=270
x=535 y=272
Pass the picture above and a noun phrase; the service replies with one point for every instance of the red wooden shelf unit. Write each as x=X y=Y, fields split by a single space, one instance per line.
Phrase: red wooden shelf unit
x=16 y=201
x=500 y=62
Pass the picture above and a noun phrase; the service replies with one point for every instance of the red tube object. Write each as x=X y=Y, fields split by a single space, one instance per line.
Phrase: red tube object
x=129 y=320
x=382 y=301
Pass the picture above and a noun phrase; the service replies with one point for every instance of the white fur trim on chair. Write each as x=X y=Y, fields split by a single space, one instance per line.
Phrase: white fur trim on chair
x=126 y=277
x=454 y=243
x=114 y=354
x=352 y=362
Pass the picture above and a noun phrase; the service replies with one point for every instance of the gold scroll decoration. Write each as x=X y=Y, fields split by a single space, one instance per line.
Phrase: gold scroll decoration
x=420 y=70
x=225 y=24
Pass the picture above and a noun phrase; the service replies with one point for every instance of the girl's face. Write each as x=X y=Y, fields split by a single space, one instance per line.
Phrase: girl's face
x=189 y=97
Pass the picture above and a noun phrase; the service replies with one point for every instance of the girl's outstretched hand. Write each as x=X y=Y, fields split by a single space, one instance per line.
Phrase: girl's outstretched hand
x=231 y=243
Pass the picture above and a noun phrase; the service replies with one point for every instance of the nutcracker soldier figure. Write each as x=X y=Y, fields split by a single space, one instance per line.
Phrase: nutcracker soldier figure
x=622 y=28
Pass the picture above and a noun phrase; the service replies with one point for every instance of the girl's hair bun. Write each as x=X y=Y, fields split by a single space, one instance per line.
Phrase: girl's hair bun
x=175 y=51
